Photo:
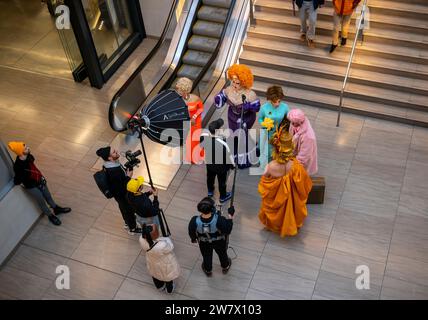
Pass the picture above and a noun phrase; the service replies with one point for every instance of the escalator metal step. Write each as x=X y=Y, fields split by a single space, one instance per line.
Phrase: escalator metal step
x=196 y=58
x=189 y=71
x=200 y=43
x=218 y=3
x=207 y=28
x=213 y=14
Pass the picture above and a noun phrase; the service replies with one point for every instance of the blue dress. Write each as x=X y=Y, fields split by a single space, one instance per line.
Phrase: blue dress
x=276 y=114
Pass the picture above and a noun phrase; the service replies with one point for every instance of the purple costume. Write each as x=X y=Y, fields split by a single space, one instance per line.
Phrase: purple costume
x=234 y=115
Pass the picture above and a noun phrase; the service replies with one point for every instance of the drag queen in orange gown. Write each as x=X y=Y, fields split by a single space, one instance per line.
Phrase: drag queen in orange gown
x=284 y=188
x=194 y=153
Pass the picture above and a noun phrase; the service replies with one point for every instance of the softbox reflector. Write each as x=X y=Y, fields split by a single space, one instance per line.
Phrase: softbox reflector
x=166 y=113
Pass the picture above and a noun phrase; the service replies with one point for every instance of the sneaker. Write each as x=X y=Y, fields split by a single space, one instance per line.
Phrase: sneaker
x=170 y=290
x=208 y=273
x=226 y=270
x=162 y=288
x=54 y=219
x=333 y=47
x=343 y=42
x=210 y=194
x=227 y=197
x=125 y=226
x=302 y=37
x=59 y=210
x=311 y=43
x=135 y=231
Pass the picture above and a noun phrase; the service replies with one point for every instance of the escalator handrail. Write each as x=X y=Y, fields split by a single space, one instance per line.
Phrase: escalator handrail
x=146 y=60
x=217 y=48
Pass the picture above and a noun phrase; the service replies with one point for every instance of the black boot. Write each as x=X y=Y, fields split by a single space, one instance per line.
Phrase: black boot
x=343 y=42
x=54 y=219
x=226 y=270
x=59 y=210
x=333 y=47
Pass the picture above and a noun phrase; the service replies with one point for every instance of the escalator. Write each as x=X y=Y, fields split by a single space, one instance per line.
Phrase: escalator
x=205 y=36
x=200 y=43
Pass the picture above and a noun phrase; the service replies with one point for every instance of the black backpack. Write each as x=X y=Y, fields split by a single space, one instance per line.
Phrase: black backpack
x=101 y=179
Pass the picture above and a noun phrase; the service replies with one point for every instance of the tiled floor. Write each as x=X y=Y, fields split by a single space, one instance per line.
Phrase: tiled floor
x=375 y=212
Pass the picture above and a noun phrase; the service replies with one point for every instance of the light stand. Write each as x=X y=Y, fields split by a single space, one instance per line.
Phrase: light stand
x=231 y=209
x=139 y=125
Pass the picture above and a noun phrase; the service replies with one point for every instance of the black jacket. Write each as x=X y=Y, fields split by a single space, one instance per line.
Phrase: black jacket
x=224 y=225
x=117 y=180
x=218 y=157
x=316 y=3
x=23 y=172
x=142 y=204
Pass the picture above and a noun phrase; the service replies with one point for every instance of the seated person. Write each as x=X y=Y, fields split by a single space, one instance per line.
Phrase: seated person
x=284 y=188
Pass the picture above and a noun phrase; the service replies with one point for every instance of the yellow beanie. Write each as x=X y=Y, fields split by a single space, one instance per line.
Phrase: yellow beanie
x=17 y=146
x=134 y=184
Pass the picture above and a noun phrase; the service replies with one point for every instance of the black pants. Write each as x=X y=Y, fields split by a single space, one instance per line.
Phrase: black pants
x=220 y=247
x=221 y=178
x=159 y=284
x=127 y=212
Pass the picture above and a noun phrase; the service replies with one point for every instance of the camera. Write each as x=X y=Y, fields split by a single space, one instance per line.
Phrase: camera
x=132 y=159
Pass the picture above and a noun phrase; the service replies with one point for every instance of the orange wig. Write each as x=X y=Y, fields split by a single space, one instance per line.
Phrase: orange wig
x=243 y=73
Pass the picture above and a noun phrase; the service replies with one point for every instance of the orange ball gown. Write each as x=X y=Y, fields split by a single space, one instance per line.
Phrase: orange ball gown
x=194 y=153
x=283 y=207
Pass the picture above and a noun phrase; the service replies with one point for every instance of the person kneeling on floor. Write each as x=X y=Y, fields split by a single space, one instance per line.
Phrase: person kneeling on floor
x=147 y=210
x=27 y=174
x=210 y=230
x=161 y=261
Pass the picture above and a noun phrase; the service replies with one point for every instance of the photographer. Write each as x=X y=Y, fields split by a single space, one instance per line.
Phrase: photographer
x=27 y=174
x=117 y=180
x=210 y=230
x=147 y=210
x=218 y=159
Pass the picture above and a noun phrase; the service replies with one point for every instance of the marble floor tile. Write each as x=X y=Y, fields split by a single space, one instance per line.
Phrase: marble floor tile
x=182 y=208
x=375 y=170
x=388 y=126
x=364 y=224
x=22 y=285
x=412 y=204
x=62 y=240
x=233 y=285
x=344 y=264
x=335 y=287
x=37 y=262
x=107 y=251
x=311 y=243
x=319 y=222
x=136 y=290
x=249 y=238
x=80 y=201
x=372 y=196
x=63 y=149
x=394 y=289
x=281 y=284
x=112 y=222
x=407 y=269
x=87 y=282
x=291 y=261
x=256 y=295
x=371 y=247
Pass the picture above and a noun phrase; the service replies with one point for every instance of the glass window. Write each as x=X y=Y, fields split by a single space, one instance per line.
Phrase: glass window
x=110 y=25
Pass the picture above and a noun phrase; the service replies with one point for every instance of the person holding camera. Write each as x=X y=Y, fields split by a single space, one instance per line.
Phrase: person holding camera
x=147 y=210
x=211 y=230
x=27 y=174
x=118 y=178
x=218 y=159
x=161 y=261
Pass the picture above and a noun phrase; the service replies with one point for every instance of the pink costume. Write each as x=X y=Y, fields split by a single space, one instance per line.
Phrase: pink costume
x=304 y=140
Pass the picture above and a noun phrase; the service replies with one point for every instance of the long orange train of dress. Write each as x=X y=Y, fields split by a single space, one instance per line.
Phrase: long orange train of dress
x=283 y=208
x=194 y=107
